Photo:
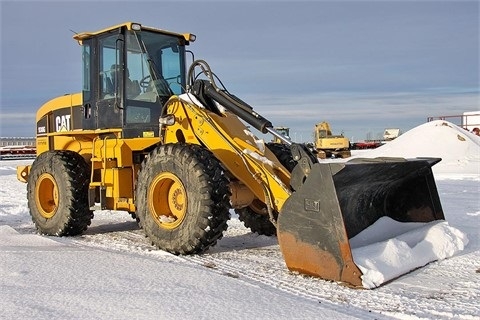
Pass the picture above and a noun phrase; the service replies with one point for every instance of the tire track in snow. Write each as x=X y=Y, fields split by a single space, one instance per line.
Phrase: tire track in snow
x=389 y=302
x=226 y=262
x=258 y=260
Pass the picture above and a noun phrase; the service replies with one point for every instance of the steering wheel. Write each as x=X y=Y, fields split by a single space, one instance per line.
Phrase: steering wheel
x=145 y=81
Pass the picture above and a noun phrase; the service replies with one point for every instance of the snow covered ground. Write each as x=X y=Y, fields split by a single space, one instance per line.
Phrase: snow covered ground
x=113 y=272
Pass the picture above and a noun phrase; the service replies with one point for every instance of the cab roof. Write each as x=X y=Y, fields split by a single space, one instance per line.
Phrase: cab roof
x=130 y=26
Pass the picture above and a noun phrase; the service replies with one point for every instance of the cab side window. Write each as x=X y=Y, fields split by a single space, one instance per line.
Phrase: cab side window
x=110 y=77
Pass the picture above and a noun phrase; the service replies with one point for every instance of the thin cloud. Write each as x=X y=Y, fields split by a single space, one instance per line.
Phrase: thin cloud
x=17 y=116
x=361 y=115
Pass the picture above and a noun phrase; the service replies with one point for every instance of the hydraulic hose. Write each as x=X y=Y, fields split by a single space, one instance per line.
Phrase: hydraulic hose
x=237 y=107
x=232 y=103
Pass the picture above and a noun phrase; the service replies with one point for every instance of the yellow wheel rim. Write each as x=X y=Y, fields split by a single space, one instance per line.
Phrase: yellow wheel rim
x=167 y=201
x=46 y=195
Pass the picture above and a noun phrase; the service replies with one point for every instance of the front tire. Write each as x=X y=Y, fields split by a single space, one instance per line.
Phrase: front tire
x=182 y=198
x=57 y=193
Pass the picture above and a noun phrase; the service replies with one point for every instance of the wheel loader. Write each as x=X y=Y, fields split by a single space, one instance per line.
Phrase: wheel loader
x=283 y=130
x=160 y=139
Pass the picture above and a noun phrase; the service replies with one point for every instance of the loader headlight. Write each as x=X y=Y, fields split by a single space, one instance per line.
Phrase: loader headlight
x=167 y=120
x=190 y=37
x=136 y=27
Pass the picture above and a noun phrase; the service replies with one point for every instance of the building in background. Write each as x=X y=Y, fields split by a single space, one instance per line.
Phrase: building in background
x=17 y=141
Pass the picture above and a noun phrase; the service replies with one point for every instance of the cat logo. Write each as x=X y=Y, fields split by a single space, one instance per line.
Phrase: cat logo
x=62 y=123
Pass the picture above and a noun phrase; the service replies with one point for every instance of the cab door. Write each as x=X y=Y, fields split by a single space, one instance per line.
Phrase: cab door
x=110 y=97
x=103 y=75
x=89 y=85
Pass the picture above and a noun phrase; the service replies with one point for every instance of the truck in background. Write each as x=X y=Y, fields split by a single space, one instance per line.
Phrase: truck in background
x=471 y=121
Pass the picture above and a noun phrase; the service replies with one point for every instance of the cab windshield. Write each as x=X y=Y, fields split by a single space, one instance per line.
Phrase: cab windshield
x=154 y=66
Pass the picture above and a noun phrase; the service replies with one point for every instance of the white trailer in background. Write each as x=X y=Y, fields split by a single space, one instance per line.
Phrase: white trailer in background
x=471 y=120
x=391 y=133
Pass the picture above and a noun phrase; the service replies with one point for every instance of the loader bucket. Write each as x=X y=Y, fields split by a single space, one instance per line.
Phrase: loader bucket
x=339 y=200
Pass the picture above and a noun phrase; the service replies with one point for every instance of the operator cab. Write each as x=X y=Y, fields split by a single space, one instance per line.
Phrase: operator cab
x=129 y=72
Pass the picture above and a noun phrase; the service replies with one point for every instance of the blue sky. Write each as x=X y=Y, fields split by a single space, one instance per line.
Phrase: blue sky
x=361 y=65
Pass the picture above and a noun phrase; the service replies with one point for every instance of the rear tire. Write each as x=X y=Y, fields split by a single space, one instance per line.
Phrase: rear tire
x=255 y=217
x=182 y=198
x=57 y=193
x=283 y=154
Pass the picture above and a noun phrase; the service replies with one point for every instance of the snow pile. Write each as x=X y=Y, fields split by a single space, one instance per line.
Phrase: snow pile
x=458 y=148
x=388 y=248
